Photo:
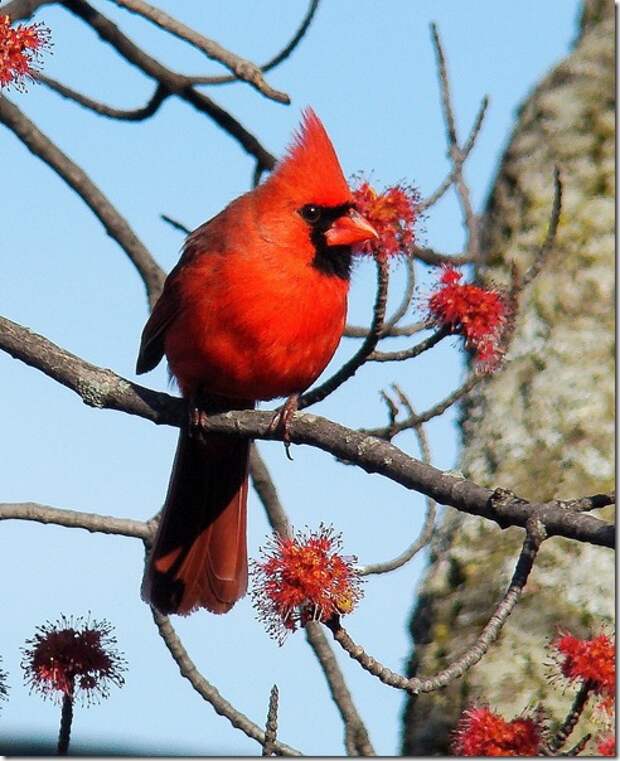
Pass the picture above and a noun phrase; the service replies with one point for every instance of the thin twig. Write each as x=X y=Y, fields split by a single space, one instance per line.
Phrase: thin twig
x=102 y=388
x=207 y=691
x=556 y=210
x=102 y=524
x=130 y=115
x=455 y=152
x=271 y=727
x=415 y=685
x=413 y=351
x=277 y=59
x=395 y=427
x=177 y=84
x=349 y=369
x=176 y=224
x=432 y=199
x=243 y=69
x=115 y=225
x=570 y=722
x=426 y=532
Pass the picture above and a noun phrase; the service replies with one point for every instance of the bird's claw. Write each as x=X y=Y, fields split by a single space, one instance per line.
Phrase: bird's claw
x=281 y=421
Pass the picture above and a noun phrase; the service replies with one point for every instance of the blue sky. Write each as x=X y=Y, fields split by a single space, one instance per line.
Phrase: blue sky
x=368 y=70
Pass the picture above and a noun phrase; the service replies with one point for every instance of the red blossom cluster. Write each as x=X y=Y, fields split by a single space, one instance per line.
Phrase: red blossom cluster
x=482 y=732
x=73 y=657
x=590 y=660
x=303 y=578
x=20 y=48
x=480 y=315
x=393 y=214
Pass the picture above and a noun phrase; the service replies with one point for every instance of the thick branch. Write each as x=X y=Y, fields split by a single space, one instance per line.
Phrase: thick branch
x=21 y=9
x=115 y=225
x=102 y=388
x=242 y=69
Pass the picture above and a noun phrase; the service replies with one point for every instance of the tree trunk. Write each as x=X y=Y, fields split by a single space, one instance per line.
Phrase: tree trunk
x=543 y=427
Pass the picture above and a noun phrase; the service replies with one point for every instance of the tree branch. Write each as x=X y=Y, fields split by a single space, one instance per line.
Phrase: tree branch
x=114 y=224
x=415 y=685
x=177 y=84
x=242 y=69
x=130 y=115
x=277 y=59
x=102 y=524
x=102 y=388
x=206 y=690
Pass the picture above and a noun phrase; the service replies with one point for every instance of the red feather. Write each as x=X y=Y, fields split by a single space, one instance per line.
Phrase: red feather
x=245 y=315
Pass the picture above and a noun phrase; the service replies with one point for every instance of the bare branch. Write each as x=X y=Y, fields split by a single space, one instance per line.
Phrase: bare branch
x=242 y=69
x=356 y=734
x=414 y=351
x=174 y=223
x=547 y=246
x=395 y=427
x=434 y=258
x=474 y=653
x=177 y=84
x=115 y=225
x=130 y=115
x=104 y=389
x=271 y=727
x=426 y=532
x=570 y=722
x=426 y=203
x=207 y=691
x=102 y=524
x=455 y=152
x=277 y=59
x=349 y=369
x=266 y=490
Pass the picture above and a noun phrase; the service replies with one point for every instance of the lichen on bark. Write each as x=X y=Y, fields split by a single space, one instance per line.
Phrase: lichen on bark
x=545 y=426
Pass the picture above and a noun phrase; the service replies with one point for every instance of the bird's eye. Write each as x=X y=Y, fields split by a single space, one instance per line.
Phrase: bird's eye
x=311 y=213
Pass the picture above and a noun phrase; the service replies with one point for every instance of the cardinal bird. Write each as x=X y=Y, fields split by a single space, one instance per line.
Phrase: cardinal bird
x=254 y=310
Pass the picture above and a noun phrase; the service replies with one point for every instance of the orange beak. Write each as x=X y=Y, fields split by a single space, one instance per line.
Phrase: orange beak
x=349 y=229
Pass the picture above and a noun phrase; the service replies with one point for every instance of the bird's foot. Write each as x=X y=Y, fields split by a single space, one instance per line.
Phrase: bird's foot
x=197 y=418
x=281 y=421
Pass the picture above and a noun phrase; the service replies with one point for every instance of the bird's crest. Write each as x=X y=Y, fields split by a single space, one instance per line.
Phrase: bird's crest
x=310 y=167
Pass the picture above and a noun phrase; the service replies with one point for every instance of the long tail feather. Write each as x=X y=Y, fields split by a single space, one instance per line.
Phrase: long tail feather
x=199 y=556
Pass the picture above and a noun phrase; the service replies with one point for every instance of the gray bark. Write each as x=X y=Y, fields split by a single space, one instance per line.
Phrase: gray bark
x=544 y=427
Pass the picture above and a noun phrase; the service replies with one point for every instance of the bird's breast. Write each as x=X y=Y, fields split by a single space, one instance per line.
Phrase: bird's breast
x=255 y=329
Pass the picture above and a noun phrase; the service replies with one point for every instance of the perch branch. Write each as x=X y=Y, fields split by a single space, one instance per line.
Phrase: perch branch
x=102 y=388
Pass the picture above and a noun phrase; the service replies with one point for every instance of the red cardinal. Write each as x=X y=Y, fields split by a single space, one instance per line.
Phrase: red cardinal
x=254 y=309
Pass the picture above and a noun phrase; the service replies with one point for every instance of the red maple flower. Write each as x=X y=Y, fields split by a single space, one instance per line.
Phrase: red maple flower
x=590 y=660
x=20 y=49
x=303 y=578
x=607 y=746
x=393 y=214
x=73 y=657
x=481 y=732
x=480 y=315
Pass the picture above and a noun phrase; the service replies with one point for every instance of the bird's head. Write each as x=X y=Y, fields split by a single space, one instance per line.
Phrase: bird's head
x=306 y=205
